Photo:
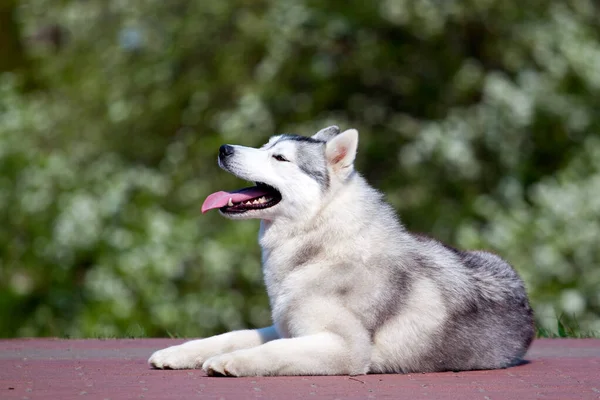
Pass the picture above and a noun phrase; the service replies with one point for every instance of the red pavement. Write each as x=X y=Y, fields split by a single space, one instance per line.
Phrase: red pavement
x=116 y=369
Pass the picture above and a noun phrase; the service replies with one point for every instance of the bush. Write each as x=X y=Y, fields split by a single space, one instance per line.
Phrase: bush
x=477 y=120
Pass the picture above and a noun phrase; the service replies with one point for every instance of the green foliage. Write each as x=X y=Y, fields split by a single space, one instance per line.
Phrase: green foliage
x=477 y=120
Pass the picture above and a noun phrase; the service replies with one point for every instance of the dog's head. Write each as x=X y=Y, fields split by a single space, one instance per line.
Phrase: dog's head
x=292 y=174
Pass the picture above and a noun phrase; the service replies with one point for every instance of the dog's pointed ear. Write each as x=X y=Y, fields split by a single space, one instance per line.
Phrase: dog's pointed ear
x=341 y=150
x=326 y=134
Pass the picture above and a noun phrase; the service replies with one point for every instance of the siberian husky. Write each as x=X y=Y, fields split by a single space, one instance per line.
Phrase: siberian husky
x=351 y=290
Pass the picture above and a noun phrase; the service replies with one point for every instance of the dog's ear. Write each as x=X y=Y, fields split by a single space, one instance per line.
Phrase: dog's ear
x=326 y=134
x=341 y=150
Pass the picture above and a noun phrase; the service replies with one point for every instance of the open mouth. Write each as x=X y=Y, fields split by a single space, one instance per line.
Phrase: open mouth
x=256 y=197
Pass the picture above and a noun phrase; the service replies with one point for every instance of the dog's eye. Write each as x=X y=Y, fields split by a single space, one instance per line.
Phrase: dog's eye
x=279 y=157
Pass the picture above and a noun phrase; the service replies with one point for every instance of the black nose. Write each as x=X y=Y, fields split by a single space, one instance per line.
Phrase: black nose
x=225 y=151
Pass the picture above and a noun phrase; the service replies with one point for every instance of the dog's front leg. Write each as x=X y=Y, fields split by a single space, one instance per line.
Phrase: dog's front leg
x=193 y=353
x=324 y=353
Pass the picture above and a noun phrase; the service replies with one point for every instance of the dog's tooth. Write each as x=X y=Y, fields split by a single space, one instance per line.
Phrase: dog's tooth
x=230 y=203
x=261 y=200
x=255 y=201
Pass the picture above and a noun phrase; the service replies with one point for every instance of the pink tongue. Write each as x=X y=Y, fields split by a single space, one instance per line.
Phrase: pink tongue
x=220 y=199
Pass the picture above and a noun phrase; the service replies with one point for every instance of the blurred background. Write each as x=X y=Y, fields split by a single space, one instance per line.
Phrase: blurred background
x=478 y=118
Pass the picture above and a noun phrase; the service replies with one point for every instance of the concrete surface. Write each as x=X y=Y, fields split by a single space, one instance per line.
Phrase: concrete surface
x=117 y=369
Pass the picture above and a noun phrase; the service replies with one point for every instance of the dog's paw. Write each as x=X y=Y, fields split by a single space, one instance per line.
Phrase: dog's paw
x=174 y=357
x=231 y=364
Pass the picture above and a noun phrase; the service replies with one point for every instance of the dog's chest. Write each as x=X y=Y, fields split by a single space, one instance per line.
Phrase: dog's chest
x=283 y=257
x=288 y=272
x=277 y=270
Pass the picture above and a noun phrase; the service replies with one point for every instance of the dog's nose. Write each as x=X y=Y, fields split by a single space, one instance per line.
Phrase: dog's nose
x=225 y=151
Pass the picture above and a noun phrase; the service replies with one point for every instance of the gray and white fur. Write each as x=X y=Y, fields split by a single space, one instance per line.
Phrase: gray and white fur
x=351 y=290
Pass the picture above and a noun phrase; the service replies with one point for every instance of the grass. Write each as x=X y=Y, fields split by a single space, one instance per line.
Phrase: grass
x=566 y=327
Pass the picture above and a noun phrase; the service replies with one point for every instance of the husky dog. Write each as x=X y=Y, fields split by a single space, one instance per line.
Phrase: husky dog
x=351 y=290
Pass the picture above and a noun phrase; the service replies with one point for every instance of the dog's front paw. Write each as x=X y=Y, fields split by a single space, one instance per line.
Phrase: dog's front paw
x=174 y=357
x=231 y=364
